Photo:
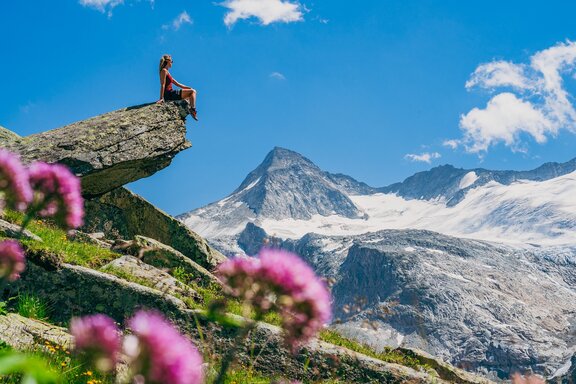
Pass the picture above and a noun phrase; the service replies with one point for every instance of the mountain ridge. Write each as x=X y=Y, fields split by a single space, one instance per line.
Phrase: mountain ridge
x=472 y=257
x=453 y=195
x=440 y=182
x=288 y=195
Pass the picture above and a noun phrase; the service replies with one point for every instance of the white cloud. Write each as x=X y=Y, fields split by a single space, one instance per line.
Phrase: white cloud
x=536 y=104
x=267 y=11
x=425 y=157
x=107 y=5
x=101 y=5
x=504 y=119
x=277 y=76
x=183 y=18
x=499 y=74
x=451 y=143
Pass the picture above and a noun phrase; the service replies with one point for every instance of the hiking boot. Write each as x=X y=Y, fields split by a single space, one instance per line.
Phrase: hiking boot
x=193 y=113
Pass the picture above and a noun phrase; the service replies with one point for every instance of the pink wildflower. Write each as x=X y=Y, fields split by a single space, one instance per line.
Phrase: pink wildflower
x=284 y=279
x=14 y=181
x=57 y=193
x=99 y=338
x=239 y=274
x=161 y=354
x=12 y=260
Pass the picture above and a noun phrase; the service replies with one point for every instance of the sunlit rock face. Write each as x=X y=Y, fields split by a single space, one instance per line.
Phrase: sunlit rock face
x=111 y=150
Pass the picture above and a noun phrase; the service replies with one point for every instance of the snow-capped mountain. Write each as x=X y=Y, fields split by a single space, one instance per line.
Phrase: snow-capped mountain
x=492 y=288
x=285 y=185
x=451 y=184
x=288 y=196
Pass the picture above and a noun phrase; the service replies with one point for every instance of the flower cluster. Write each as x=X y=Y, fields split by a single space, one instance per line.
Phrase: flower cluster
x=161 y=354
x=14 y=181
x=281 y=279
x=48 y=190
x=57 y=193
x=12 y=261
x=98 y=337
x=157 y=352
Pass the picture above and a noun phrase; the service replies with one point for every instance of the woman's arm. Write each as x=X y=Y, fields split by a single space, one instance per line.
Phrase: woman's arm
x=180 y=85
x=162 y=85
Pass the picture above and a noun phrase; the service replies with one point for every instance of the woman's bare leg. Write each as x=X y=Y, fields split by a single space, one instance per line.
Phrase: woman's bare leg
x=190 y=95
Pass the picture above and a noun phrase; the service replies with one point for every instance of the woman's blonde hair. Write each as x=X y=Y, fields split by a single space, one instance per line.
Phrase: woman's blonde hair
x=164 y=62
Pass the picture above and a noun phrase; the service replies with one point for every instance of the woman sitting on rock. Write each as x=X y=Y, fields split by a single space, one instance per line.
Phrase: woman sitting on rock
x=166 y=91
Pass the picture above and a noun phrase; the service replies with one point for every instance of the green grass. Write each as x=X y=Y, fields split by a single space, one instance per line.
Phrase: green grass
x=246 y=375
x=388 y=355
x=57 y=360
x=125 y=275
x=31 y=306
x=213 y=293
x=179 y=273
x=55 y=242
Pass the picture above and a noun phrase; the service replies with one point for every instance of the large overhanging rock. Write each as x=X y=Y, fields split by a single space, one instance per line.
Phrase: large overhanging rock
x=113 y=149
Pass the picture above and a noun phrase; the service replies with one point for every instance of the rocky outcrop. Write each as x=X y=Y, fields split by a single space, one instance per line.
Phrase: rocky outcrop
x=12 y=230
x=76 y=290
x=165 y=257
x=113 y=149
x=7 y=136
x=121 y=213
x=97 y=238
x=23 y=333
x=149 y=276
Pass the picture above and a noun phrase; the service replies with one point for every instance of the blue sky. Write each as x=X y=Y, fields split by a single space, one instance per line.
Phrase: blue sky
x=374 y=89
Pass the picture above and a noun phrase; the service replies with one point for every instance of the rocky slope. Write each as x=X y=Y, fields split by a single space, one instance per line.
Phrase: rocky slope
x=121 y=213
x=128 y=283
x=481 y=306
x=7 y=136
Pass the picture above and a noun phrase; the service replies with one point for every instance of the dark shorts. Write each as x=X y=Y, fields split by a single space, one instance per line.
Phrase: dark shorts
x=173 y=95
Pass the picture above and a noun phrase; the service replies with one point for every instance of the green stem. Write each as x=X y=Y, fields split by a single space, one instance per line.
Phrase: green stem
x=229 y=358
x=32 y=211
x=25 y=223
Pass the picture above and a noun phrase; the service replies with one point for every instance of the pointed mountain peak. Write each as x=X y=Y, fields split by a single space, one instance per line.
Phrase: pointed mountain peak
x=286 y=185
x=278 y=160
x=281 y=158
